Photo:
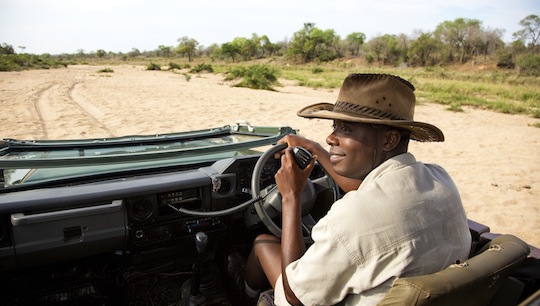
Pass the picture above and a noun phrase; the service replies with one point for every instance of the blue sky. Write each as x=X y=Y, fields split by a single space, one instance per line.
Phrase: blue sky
x=66 y=26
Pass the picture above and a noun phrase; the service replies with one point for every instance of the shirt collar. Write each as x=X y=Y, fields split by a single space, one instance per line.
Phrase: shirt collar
x=395 y=162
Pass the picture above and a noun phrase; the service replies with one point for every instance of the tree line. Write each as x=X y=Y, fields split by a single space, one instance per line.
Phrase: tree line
x=451 y=42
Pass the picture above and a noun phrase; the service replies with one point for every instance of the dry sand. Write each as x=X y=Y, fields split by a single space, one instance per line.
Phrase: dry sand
x=493 y=158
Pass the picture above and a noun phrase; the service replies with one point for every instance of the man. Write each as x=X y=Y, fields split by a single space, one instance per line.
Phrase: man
x=399 y=217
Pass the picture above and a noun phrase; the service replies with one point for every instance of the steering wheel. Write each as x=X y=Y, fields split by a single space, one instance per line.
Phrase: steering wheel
x=268 y=205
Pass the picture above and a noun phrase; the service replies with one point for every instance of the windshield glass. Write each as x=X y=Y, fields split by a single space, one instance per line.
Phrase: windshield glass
x=26 y=162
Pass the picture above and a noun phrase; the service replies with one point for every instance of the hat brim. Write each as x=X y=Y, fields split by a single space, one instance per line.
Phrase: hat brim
x=420 y=131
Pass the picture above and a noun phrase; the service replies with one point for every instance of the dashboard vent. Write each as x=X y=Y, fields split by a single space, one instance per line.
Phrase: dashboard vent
x=141 y=209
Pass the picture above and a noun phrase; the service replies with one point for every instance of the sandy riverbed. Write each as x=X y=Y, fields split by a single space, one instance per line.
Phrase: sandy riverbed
x=493 y=158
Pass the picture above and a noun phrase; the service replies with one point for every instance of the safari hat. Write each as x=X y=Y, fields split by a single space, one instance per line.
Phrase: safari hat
x=379 y=99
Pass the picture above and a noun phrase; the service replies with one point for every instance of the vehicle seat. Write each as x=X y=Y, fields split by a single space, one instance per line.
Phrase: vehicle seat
x=475 y=281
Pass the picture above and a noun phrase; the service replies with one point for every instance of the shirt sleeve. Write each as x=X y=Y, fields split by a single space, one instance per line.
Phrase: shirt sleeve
x=322 y=274
x=279 y=293
x=346 y=257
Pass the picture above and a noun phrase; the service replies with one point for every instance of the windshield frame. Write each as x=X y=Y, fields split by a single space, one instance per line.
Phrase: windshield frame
x=61 y=160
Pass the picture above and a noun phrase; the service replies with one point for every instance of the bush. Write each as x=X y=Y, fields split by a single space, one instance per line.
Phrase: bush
x=153 y=66
x=316 y=70
x=105 y=70
x=370 y=58
x=255 y=76
x=529 y=64
x=19 y=62
x=505 y=59
x=202 y=67
x=235 y=73
x=455 y=107
x=173 y=66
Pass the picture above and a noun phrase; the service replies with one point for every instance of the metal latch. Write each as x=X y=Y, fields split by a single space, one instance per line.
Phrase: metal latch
x=216 y=184
x=71 y=233
x=240 y=123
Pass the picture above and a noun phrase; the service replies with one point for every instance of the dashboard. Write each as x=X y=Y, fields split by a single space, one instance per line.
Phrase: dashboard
x=134 y=214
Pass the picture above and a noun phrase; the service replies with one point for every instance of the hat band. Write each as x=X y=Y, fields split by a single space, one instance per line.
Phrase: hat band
x=355 y=109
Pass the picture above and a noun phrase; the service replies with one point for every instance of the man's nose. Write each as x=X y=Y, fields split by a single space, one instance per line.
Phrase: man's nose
x=331 y=140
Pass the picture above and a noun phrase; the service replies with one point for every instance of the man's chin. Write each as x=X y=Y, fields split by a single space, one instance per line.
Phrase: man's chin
x=346 y=173
x=338 y=170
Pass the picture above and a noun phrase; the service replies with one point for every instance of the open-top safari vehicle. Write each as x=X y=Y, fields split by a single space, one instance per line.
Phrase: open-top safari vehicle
x=148 y=220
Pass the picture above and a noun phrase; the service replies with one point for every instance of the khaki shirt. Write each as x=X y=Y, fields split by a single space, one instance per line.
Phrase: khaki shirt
x=405 y=219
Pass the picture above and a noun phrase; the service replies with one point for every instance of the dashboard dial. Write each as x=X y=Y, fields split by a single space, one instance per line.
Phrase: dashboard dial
x=267 y=174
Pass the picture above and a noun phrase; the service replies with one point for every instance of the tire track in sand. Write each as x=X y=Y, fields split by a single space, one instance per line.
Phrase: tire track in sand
x=41 y=107
x=60 y=100
x=87 y=107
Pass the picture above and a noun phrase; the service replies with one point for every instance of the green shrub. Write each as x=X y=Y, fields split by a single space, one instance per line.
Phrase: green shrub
x=153 y=66
x=254 y=76
x=529 y=64
x=316 y=70
x=105 y=70
x=505 y=60
x=370 y=58
x=455 y=107
x=173 y=66
x=235 y=73
x=202 y=67
x=19 y=62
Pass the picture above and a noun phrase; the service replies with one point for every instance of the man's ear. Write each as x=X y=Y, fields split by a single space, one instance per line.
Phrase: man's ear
x=391 y=140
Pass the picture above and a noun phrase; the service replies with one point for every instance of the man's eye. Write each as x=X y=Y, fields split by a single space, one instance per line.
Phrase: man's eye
x=340 y=127
x=344 y=128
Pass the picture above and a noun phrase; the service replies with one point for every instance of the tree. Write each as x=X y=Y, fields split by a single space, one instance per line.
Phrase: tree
x=282 y=47
x=530 y=32
x=383 y=49
x=230 y=50
x=324 y=44
x=332 y=45
x=100 y=53
x=375 y=48
x=312 y=43
x=267 y=47
x=457 y=35
x=6 y=49
x=391 y=52
x=486 y=41
x=246 y=48
x=187 y=46
x=134 y=52
x=402 y=48
x=253 y=46
x=164 y=51
x=423 y=50
x=355 y=41
x=301 y=44
x=213 y=51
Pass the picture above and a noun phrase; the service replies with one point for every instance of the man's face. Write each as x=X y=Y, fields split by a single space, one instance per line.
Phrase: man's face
x=352 y=148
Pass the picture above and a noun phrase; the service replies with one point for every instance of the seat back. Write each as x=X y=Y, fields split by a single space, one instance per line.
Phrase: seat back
x=472 y=282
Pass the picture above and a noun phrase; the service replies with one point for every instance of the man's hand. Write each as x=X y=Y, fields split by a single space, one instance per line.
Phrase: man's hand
x=290 y=179
x=292 y=140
